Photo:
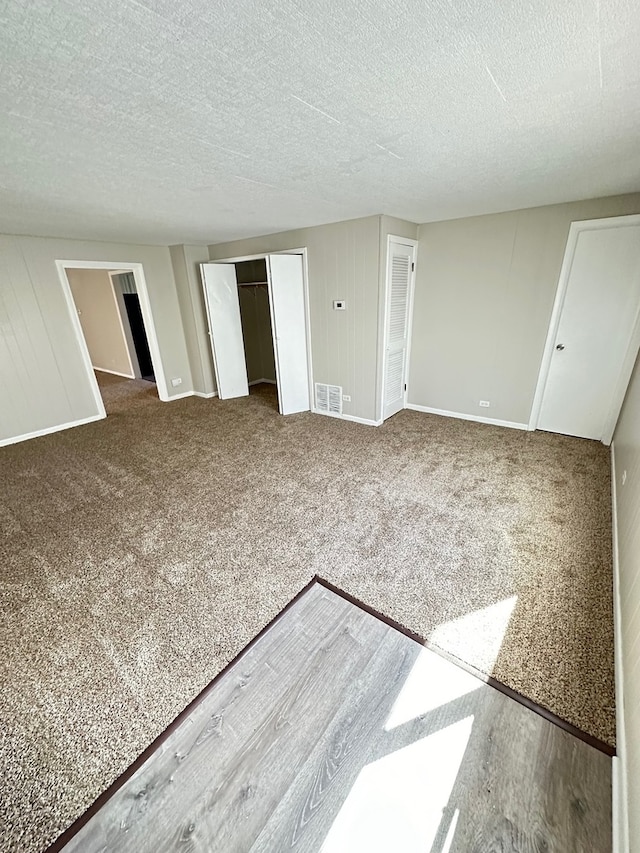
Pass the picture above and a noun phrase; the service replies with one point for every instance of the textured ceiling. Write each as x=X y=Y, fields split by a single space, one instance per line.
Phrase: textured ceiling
x=170 y=121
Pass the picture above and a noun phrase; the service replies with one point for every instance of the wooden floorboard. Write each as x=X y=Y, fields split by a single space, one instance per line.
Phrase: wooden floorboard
x=336 y=732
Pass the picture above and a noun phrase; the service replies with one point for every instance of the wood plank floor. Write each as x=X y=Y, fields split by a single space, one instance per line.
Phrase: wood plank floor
x=335 y=732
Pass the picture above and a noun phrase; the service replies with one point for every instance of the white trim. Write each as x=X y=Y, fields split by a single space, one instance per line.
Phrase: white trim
x=307 y=308
x=206 y=396
x=463 y=417
x=403 y=241
x=343 y=417
x=48 y=430
x=622 y=384
x=260 y=381
x=575 y=229
x=113 y=372
x=178 y=396
x=145 y=306
x=620 y=794
x=258 y=257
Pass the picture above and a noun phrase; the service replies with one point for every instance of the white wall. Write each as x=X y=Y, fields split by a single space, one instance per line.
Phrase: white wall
x=343 y=263
x=485 y=288
x=99 y=316
x=186 y=262
x=626 y=445
x=43 y=381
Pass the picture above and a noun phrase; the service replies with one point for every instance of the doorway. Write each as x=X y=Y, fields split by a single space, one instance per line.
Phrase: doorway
x=124 y=286
x=594 y=334
x=400 y=277
x=258 y=323
x=117 y=343
x=255 y=319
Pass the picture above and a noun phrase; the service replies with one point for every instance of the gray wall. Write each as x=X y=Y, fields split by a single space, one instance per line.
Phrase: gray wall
x=343 y=263
x=43 y=381
x=484 y=293
x=99 y=316
x=626 y=444
x=186 y=262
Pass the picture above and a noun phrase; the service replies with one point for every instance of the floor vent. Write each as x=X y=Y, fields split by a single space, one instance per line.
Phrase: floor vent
x=329 y=398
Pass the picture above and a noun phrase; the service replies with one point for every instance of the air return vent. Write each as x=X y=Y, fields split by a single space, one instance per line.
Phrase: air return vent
x=329 y=398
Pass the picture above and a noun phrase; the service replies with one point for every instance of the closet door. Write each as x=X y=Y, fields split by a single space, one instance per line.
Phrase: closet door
x=225 y=329
x=288 y=320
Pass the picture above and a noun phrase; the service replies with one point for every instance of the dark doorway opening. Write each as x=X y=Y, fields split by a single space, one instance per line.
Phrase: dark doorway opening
x=139 y=335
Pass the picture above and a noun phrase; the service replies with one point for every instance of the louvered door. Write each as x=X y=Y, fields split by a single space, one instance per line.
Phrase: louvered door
x=399 y=275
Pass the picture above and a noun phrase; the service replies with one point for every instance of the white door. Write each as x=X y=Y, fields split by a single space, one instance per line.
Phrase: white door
x=591 y=353
x=225 y=329
x=288 y=320
x=400 y=266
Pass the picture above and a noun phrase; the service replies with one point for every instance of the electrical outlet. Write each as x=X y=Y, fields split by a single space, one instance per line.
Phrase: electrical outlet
x=346 y=398
x=484 y=403
x=176 y=382
x=624 y=477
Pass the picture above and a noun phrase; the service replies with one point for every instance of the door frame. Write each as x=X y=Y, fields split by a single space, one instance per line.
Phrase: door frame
x=407 y=241
x=141 y=286
x=575 y=229
x=125 y=325
x=307 y=309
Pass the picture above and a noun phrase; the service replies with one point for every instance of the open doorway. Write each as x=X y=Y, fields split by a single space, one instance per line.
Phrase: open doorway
x=258 y=321
x=257 y=331
x=109 y=308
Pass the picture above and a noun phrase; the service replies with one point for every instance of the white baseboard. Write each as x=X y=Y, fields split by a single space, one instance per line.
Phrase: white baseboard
x=260 y=381
x=619 y=765
x=202 y=394
x=113 y=372
x=463 y=417
x=179 y=396
x=48 y=430
x=352 y=418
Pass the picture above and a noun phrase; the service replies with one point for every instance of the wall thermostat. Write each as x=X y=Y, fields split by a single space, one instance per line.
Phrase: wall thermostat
x=339 y=305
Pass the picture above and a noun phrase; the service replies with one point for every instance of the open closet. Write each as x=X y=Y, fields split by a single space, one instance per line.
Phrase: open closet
x=258 y=327
x=255 y=318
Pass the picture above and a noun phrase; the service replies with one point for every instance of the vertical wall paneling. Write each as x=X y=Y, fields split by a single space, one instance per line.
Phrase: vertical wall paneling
x=185 y=261
x=42 y=371
x=342 y=263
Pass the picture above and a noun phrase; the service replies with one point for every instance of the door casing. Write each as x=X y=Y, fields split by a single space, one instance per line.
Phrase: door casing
x=392 y=238
x=575 y=229
x=305 y=277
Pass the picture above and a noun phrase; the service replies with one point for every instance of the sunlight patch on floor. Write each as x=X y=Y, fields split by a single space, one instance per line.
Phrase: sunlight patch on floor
x=432 y=682
x=486 y=627
x=397 y=802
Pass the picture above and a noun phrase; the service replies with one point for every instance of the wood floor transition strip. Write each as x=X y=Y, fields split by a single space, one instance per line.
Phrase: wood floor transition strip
x=595 y=742
x=305 y=740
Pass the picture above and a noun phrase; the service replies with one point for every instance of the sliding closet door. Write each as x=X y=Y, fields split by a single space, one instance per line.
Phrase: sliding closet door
x=288 y=319
x=225 y=329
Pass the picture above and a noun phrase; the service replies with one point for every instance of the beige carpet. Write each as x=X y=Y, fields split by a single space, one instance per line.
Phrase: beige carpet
x=142 y=552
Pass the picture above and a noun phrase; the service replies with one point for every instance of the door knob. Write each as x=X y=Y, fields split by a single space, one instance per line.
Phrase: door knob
x=559 y=347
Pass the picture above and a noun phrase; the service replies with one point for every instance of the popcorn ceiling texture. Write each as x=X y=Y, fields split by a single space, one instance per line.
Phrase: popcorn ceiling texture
x=141 y=553
x=159 y=122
